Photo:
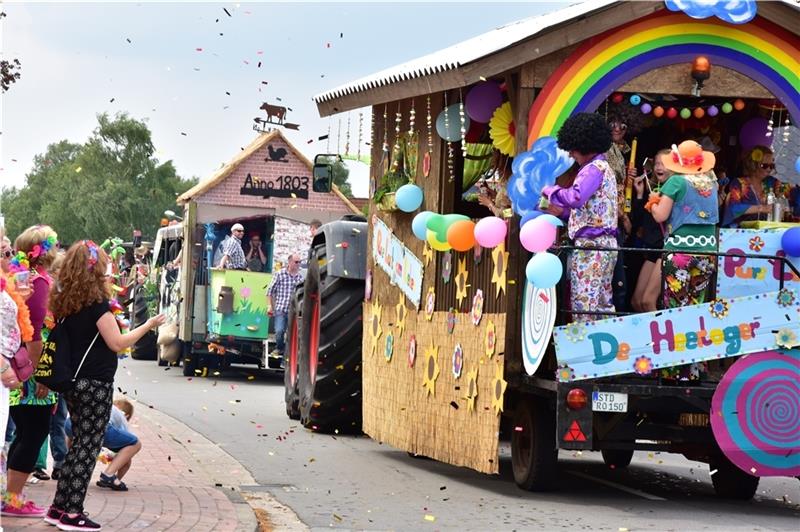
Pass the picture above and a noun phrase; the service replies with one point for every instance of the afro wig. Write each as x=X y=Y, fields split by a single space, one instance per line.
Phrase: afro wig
x=585 y=133
x=626 y=114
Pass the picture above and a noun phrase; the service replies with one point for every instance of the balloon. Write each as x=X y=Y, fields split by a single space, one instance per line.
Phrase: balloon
x=452 y=132
x=672 y=113
x=449 y=219
x=531 y=215
x=658 y=112
x=790 y=241
x=461 y=235
x=482 y=100
x=438 y=225
x=738 y=104
x=408 y=198
x=419 y=225
x=797 y=165
x=617 y=98
x=537 y=235
x=685 y=113
x=490 y=231
x=436 y=244
x=552 y=220
x=754 y=133
x=727 y=108
x=635 y=99
x=646 y=108
x=699 y=112
x=713 y=111
x=544 y=270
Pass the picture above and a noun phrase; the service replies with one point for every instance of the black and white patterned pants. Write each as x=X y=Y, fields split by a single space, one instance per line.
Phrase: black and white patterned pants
x=89 y=404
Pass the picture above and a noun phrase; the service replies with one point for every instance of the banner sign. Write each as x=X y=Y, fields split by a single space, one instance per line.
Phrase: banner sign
x=740 y=276
x=643 y=342
x=400 y=264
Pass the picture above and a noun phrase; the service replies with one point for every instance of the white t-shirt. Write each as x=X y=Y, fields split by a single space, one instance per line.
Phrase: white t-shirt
x=118 y=420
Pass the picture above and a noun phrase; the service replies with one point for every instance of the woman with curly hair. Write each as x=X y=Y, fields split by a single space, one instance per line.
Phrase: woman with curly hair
x=747 y=196
x=590 y=204
x=81 y=301
x=30 y=405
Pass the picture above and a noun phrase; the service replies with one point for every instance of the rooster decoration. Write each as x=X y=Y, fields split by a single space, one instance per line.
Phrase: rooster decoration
x=276 y=155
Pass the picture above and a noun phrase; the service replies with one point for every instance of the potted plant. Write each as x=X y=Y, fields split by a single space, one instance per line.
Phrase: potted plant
x=401 y=170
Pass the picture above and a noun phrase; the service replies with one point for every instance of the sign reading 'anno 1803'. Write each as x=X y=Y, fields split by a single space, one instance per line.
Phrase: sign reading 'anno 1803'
x=644 y=342
x=284 y=186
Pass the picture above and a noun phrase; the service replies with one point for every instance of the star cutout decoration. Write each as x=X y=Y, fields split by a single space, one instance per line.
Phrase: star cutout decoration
x=427 y=253
x=400 y=316
x=498 y=389
x=472 y=389
x=375 y=329
x=461 y=281
x=431 y=369
x=500 y=258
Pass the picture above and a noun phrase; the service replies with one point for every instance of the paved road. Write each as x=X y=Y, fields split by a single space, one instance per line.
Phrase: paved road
x=357 y=483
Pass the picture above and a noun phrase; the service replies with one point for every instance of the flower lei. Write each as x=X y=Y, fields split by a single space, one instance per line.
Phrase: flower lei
x=19 y=263
x=23 y=314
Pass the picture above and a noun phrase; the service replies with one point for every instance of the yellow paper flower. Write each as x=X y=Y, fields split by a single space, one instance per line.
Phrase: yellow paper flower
x=502 y=130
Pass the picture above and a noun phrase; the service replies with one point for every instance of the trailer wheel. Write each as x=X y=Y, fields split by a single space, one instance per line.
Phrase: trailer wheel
x=290 y=372
x=329 y=381
x=730 y=482
x=534 y=455
x=617 y=458
x=190 y=363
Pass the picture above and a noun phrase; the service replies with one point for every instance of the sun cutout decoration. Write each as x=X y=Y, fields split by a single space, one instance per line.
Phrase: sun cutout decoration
x=427 y=253
x=498 y=389
x=500 y=258
x=461 y=281
x=430 y=304
x=502 y=130
x=431 y=369
x=491 y=339
x=400 y=316
x=472 y=388
x=375 y=325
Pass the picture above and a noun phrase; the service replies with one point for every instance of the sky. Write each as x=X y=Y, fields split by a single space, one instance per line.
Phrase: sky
x=191 y=68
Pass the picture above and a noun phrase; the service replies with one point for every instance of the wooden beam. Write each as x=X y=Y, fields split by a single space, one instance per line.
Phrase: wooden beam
x=335 y=190
x=676 y=79
x=780 y=14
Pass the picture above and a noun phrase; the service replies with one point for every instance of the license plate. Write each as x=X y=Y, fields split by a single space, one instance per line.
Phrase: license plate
x=609 y=402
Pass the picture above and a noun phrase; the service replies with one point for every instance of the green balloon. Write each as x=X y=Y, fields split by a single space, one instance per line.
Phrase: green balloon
x=727 y=108
x=685 y=113
x=438 y=224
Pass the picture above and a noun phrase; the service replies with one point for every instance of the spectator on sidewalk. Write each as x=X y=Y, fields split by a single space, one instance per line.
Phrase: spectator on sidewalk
x=280 y=293
x=119 y=440
x=82 y=302
x=232 y=252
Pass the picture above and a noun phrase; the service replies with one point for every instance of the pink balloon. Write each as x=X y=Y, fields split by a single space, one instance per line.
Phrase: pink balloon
x=482 y=100
x=537 y=235
x=490 y=231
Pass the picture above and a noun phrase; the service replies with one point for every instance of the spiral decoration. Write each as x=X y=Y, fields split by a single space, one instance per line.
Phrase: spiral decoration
x=755 y=413
x=538 y=319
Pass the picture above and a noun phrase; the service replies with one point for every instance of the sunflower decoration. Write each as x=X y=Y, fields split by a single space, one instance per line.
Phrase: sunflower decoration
x=503 y=131
x=575 y=331
x=499 y=386
x=388 y=349
x=430 y=304
x=643 y=365
x=565 y=374
x=375 y=329
x=431 y=369
x=472 y=389
x=785 y=297
x=500 y=258
x=427 y=253
x=400 y=316
x=490 y=342
x=785 y=337
x=718 y=308
x=461 y=281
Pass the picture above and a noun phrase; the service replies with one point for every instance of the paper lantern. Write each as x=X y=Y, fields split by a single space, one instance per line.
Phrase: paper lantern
x=449 y=128
x=646 y=108
x=685 y=113
x=672 y=112
x=503 y=131
x=617 y=97
x=635 y=99
x=738 y=104
x=658 y=111
x=482 y=100
x=713 y=111
x=699 y=112
x=727 y=108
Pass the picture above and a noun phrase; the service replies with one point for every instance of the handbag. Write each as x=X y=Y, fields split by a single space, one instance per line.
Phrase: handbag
x=21 y=364
x=55 y=365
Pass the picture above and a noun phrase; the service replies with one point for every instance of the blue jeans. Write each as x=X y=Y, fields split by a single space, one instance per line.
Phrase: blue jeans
x=280 y=319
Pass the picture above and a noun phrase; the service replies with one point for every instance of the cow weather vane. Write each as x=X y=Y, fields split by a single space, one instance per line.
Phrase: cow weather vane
x=276 y=116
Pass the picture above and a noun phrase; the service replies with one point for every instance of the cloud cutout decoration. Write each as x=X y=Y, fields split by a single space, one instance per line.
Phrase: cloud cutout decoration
x=532 y=171
x=731 y=11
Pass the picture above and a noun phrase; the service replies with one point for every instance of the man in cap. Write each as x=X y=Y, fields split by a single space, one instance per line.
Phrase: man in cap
x=232 y=252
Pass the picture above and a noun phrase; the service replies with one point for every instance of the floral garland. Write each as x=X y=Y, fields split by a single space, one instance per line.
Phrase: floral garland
x=19 y=263
x=23 y=314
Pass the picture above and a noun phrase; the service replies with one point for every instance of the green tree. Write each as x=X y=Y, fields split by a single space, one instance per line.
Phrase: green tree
x=108 y=186
x=341 y=173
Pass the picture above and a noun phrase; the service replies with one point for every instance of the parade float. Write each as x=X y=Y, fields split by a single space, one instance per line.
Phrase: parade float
x=468 y=336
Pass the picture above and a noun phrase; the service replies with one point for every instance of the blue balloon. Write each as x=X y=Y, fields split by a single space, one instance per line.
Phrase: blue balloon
x=418 y=225
x=797 y=164
x=530 y=216
x=534 y=170
x=553 y=220
x=790 y=242
x=544 y=270
x=408 y=198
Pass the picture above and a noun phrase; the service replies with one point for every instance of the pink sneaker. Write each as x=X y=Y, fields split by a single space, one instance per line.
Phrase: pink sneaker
x=28 y=509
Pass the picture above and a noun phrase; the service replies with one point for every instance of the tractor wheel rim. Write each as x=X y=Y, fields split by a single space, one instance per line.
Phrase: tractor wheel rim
x=313 y=341
x=293 y=353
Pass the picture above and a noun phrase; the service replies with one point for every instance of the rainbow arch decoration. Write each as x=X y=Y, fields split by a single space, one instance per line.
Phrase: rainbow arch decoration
x=759 y=49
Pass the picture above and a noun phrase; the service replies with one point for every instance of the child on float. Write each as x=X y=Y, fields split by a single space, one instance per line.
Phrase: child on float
x=590 y=203
x=647 y=233
x=688 y=203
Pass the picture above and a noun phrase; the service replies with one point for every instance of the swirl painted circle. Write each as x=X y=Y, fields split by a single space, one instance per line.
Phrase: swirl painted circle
x=755 y=413
x=538 y=319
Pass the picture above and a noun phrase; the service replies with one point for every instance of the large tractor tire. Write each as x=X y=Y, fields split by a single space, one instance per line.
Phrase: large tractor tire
x=617 y=458
x=145 y=348
x=329 y=382
x=534 y=456
x=290 y=373
x=730 y=482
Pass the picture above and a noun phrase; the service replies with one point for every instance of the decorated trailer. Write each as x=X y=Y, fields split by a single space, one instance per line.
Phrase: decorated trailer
x=469 y=337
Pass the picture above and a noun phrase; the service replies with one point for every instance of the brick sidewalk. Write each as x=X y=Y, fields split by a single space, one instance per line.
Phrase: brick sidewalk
x=178 y=481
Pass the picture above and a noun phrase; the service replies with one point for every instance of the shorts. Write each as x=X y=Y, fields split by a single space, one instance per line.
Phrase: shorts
x=114 y=439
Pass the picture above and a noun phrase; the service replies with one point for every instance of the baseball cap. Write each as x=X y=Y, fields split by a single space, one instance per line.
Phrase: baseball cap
x=237 y=227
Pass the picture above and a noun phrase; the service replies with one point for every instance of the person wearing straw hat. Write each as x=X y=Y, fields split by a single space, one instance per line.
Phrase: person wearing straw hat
x=688 y=203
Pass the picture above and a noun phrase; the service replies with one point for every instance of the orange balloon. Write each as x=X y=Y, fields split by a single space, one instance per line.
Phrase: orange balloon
x=699 y=112
x=658 y=112
x=738 y=104
x=461 y=235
